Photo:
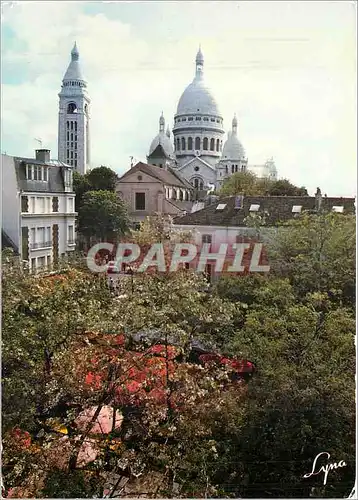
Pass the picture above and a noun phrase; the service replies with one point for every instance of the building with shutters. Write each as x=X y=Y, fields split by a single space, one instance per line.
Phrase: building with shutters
x=38 y=208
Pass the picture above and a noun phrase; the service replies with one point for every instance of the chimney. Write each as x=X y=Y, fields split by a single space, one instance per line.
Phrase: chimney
x=318 y=196
x=43 y=155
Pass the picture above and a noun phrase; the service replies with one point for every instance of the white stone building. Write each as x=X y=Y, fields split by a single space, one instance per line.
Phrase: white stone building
x=200 y=154
x=38 y=208
x=73 y=117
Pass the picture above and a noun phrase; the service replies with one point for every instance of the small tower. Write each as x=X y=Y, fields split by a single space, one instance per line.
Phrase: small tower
x=73 y=117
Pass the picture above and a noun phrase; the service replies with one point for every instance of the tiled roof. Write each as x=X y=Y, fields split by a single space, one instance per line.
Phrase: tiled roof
x=166 y=176
x=277 y=208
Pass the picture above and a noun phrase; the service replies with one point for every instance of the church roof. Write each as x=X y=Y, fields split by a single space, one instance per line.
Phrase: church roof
x=74 y=70
x=197 y=97
x=166 y=176
x=163 y=139
x=233 y=149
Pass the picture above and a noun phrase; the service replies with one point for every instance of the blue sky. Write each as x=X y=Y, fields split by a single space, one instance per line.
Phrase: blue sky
x=287 y=69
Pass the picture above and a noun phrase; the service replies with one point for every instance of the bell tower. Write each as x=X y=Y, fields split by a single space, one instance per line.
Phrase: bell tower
x=73 y=117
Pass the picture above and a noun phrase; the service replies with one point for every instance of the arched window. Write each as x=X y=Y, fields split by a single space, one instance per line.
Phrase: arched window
x=190 y=143
x=232 y=169
x=198 y=183
x=206 y=144
x=212 y=144
x=226 y=169
x=221 y=145
x=178 y=144
x=71 y=108
x=183 y=143
x=181 y=195
x=197 y=143
x=86 y=109
x=217 y=144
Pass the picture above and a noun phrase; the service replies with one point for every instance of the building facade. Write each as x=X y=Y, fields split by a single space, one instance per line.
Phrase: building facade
x=74 y=117
x=38 y=208
x=150 y=190
x=201 y=154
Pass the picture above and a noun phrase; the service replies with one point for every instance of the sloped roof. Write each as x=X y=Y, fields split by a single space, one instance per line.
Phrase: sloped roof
x=55 y=182
x=166 y=176
x=278 y=208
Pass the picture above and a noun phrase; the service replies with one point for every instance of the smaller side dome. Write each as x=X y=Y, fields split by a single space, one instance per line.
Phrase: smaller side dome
x=233 y=149
x=163 y=138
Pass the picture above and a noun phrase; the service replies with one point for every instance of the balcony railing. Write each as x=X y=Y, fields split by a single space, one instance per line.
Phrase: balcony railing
x=42 y=244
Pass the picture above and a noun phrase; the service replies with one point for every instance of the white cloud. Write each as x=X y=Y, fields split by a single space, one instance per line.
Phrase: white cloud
x=286 y=68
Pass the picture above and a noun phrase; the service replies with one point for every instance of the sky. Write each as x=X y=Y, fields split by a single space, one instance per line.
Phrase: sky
x=287 y=69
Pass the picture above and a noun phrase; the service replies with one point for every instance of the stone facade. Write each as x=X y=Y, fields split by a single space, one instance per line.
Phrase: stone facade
x=148 y=190
x=73 y=118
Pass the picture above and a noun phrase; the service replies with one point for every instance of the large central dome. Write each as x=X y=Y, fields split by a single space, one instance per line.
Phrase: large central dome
x=197 y=97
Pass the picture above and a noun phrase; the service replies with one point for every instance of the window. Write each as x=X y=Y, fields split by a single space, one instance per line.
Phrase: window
x=55 y=203
x=40 y=202
x=217 y=144
x=68 y=136
x=33 y=263
x=75 y=163
x=206 y=119
x=24 y=204
x=212 y=119
x=235 y=168
x=71 y=108
x=71 y=234
x=41 y=235
x=232 y=169
x=48 y=205
x=206 y=238
x=197 y=143
x=140 y=201
x=32 y=205
x=178 y=144
x=196 y=169
x=206 y=144
x=41 y=262
x=296 y=209
x=76 y=126
x=190 y=143
x=33 y=235
x=226 y=169
x=239 y=202
x=198 y=118
x=71 y=125
x=183 y=119
x=212 y=144
x=190 y=119
x=45 y=174
x=70 y=205
x=71 y=144
x=183 y=143
x=75 y=145
x=29 y=172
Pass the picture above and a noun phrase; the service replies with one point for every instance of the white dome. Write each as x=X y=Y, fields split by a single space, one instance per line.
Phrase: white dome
x=233 y=149
x=197 y=98
x=164 y=141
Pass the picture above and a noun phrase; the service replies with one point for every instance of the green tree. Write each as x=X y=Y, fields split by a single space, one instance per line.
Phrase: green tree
x=102 y=179
x=242 y=183
x=283 y=187
x=80 y=186
x=103 y=216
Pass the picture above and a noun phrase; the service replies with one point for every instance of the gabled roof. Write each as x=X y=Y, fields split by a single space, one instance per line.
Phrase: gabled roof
x=195 y=159
x=158 y=152
x=278 y=209
x=166 y=176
